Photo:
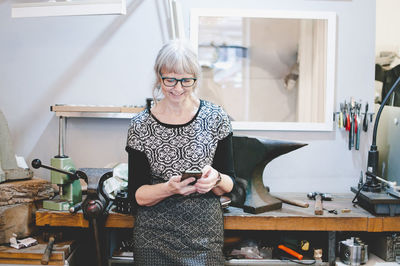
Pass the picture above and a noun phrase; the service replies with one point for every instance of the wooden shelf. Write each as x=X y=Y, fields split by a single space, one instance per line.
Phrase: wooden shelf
x=95 y=111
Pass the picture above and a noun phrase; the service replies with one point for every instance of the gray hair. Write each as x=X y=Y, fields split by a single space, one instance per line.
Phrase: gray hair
x=176 y=56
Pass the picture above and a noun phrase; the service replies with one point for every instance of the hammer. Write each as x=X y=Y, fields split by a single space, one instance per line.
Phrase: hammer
x=319 y=197
x=49 y=248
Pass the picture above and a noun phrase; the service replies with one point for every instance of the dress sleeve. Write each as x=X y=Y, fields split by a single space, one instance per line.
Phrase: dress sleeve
x=223 y=158
x=138 y=173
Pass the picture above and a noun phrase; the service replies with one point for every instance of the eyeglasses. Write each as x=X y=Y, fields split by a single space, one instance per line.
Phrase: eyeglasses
x=185 y=82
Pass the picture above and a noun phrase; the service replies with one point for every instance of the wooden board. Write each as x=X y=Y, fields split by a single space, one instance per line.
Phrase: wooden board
x=33 y=255
x=60 y=251
x=64 y=218
x=96 y=108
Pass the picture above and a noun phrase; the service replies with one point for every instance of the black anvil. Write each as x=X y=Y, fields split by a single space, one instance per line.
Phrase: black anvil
x=251 y=155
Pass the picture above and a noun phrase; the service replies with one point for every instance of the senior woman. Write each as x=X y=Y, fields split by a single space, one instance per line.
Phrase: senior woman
x=179 y=222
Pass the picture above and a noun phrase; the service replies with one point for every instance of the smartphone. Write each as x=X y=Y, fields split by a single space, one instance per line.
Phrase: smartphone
x=187 y=174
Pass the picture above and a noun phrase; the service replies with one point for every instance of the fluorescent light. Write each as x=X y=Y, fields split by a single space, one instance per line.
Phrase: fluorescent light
x=68 y=8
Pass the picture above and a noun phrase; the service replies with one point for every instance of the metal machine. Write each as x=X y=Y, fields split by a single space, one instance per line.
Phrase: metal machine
x=69 y=186
x=10 y=168
x=376 y=194
x=64 y=175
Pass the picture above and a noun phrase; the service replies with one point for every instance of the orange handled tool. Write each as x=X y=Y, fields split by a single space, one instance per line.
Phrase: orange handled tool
x=291 y=252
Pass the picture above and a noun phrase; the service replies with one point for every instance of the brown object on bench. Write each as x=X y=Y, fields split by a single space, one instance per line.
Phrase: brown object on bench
x=33 y=255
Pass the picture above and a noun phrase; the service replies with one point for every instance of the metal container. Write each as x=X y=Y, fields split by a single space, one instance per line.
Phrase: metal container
x=353 y=252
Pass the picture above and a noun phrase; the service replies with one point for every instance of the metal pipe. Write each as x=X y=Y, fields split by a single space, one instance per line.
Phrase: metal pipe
x=62 y=121
x=172 y=19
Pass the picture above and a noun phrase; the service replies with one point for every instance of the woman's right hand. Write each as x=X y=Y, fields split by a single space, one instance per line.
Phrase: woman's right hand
x=175 y=186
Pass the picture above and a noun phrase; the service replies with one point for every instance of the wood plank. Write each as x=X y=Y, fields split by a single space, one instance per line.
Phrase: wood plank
x=118 y=220
x=60 y=252
x=64 y=218
x=375 y=224
x=28 y=262
x=60 y=218
x=125 y=109
x=296 y=223
x=85 y=108
x=391 y=224
x=96 y=108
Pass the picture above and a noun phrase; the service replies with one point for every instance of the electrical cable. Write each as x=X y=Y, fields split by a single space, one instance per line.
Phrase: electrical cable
x=358 y=193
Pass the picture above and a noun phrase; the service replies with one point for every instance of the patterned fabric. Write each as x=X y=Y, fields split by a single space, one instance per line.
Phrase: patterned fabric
x=173 y=149
x=180 y=230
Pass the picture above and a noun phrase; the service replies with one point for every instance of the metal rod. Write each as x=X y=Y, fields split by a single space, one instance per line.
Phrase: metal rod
x=61 y=135
x=389 y=183
x=97 y=242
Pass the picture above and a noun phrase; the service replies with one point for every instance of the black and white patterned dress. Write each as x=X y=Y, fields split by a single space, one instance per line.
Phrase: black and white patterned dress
x=180 y=230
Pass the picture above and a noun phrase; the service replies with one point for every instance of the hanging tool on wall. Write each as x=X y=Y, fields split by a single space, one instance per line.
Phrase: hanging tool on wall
x=351 y=124
x=365 y=121
x=340 y=120
x=349 y=119
x=358 y=126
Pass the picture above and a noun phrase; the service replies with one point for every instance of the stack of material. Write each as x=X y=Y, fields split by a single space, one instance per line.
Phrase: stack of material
x=33 y=255
x=18 y=205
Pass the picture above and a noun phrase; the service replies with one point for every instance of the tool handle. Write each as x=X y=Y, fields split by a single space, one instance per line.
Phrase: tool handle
x=340 y=120
x=319 y=210
x=75 y=208
x=351 y=134
x=294 y=202
x=47 y=252
x=291 y=252
x=36 y=163
x=365 y=121
x=358 y=136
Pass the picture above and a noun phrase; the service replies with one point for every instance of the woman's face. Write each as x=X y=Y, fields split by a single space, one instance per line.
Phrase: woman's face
x=177 y=87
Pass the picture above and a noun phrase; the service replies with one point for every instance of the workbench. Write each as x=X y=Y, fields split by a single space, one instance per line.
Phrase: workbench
x=288 y=218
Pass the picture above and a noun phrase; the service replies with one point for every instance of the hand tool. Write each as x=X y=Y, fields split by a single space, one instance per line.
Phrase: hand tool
x=331 y=211
x=358 y=127
x=51 y=238
x=351 y=125
x=291 y=252
x=318 y=209
x=75 y=208
x=47 y=252
x=298 y=203
x=365 y=121
x=67 y=179
x=318 y=197
x=340 y=120
x=325 y=196
x=347 y=116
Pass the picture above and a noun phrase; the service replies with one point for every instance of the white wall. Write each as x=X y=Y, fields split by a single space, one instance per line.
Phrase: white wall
x=108 y=60
x=387 y=23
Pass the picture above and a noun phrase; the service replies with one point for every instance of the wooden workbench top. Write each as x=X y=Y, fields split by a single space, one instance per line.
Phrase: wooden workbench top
x=288 y=218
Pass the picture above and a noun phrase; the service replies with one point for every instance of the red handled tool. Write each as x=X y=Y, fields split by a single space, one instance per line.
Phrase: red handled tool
x=291 y=252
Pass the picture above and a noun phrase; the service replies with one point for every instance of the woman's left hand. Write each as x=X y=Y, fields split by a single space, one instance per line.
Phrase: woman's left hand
x=207 y=180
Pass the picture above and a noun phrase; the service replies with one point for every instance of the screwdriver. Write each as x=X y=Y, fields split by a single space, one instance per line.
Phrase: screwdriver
x=365 y=121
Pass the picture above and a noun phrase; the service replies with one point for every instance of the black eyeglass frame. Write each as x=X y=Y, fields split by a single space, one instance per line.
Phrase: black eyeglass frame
x=178 y=80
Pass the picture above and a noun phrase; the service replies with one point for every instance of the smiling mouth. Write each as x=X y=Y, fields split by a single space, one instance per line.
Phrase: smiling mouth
x=177 y=94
